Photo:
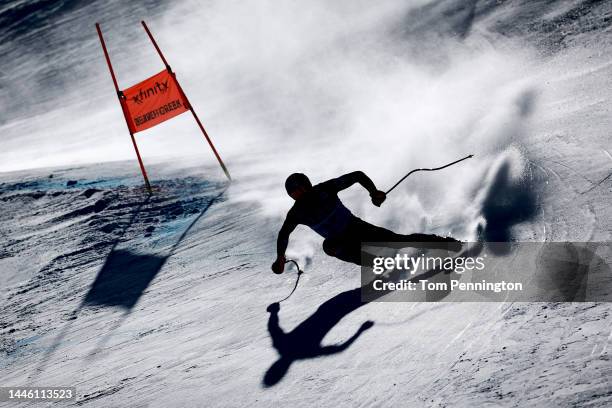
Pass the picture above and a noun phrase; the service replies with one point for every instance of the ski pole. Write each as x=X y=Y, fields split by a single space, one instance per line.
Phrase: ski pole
x=423 y=169
x=300 y=272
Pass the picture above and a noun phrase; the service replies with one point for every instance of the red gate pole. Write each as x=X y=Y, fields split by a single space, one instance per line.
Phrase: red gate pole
x=195 y=116
x=123 y=107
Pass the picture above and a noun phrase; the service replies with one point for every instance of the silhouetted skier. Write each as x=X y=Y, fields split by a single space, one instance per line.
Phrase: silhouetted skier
x=320 y=208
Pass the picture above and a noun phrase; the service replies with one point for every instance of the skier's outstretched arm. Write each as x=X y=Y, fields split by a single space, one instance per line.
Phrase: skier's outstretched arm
x=347 y=180
x=282 y=242
x=336 y=348
x=344 y=182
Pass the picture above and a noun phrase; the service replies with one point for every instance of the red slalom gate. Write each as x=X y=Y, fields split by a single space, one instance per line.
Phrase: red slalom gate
x=153 y=101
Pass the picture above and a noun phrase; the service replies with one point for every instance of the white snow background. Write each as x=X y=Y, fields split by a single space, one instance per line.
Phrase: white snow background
x=317 y=87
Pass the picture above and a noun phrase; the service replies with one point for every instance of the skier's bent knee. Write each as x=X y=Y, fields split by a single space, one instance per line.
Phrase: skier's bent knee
x=330 y=248
x=343 y=252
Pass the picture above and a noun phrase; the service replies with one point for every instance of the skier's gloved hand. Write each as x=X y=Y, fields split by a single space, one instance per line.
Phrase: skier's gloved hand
x=378 y=197
x=279 y=265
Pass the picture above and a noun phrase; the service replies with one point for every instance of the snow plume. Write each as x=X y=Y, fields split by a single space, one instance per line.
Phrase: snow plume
x=333 y=89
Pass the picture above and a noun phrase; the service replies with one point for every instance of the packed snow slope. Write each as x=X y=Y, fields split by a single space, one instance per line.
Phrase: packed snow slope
x=160 y=300
x=163 y=299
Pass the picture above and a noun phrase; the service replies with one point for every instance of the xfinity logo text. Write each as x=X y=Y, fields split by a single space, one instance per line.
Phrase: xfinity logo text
x=144 y=94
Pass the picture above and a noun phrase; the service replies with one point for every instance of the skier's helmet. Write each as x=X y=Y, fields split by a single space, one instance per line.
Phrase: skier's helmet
x=296 y=181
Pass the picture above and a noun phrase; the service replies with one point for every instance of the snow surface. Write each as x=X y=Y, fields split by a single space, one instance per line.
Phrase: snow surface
x=161 y=300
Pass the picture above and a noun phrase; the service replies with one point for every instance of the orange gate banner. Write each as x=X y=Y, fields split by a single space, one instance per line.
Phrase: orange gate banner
x=153 y=101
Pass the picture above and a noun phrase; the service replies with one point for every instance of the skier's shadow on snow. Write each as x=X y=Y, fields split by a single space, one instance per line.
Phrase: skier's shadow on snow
x=304 y=341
